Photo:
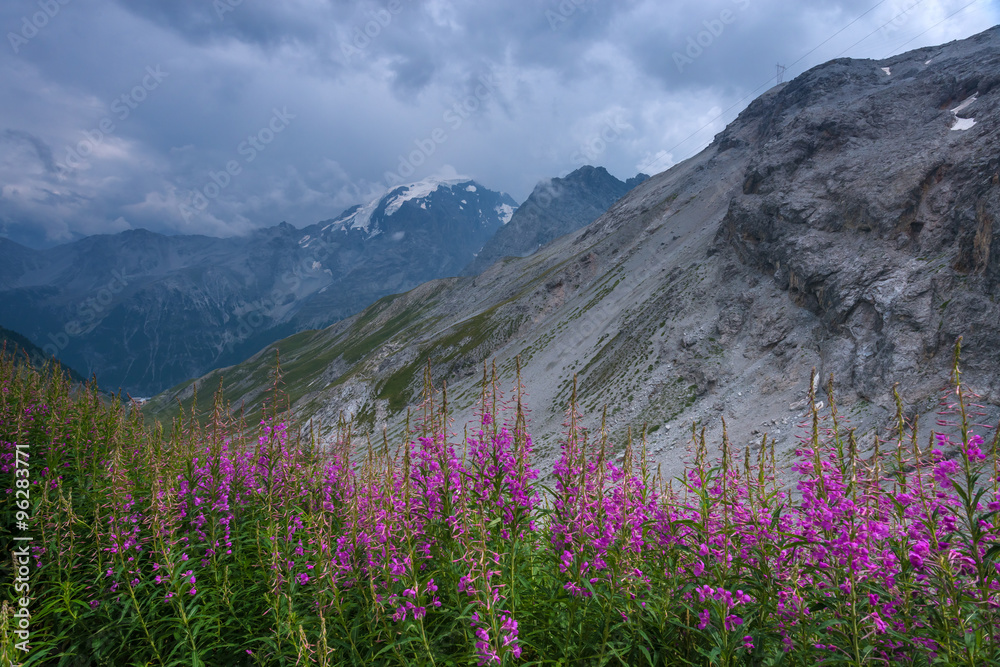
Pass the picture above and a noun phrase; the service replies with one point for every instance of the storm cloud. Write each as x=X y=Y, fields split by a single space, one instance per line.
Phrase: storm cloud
x=219 y=116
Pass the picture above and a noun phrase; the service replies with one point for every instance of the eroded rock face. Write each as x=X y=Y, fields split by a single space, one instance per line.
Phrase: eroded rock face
x=867 y=207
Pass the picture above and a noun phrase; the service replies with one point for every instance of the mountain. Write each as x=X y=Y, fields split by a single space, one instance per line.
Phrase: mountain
x=144 y=311
x=19 y=347
x=846 y=222
x=412 y=234
x=556 y=207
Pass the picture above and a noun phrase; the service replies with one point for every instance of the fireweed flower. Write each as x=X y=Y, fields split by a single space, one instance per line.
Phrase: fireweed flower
x=880 y=625
x=608 y=526
x=972 y=449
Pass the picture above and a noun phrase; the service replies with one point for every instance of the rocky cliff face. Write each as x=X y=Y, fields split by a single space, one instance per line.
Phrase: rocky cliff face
x=870 y=197
x=845 y=222
x=556 y=207
x=144 y=311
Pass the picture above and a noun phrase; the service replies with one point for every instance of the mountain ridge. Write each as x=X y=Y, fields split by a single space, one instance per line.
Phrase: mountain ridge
x=145 y=310
x=715 y=288
x=555 y=207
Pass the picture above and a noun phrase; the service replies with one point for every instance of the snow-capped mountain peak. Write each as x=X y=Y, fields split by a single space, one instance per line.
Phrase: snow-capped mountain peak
x=419 y=190
x=485 y=207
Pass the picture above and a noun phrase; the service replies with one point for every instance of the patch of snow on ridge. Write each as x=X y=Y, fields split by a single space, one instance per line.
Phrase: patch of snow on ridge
x=470 y=188
x=887 y=72
x=304 y=239
x=505 y=211
x=362 y=218
x=963 y=123
x=418 y=190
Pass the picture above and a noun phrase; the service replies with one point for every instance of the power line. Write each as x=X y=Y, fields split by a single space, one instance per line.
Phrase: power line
x=754 y=91
x=905 y=11
x=900 y=47
x=804 y=56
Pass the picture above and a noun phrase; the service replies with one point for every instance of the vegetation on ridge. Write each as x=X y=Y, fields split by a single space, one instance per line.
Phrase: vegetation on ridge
x=206 y=545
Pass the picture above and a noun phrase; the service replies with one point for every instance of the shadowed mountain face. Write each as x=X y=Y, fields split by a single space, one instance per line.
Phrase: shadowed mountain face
x=846 y=221
x=145 y=311
x=22 y=349
x=556 y=207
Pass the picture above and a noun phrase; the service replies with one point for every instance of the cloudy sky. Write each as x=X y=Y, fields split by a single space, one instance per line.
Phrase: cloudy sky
x=218 y=116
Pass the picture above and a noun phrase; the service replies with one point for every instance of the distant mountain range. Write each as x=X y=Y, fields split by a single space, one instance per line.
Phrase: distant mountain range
x=846 y=221
x=145 y=311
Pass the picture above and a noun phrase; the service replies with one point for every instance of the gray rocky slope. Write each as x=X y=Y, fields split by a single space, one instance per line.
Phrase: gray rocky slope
x=557 y=206
x=144 y=311
x=846 y=221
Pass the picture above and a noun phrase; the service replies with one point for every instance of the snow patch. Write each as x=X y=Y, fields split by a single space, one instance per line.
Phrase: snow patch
x=505 y=211
x=470 y=188
x=398 y=236
x=418 y=190
x=316 y=265
x=360 y=219
x=963 y=123
x=887 y=72
x=928 y=62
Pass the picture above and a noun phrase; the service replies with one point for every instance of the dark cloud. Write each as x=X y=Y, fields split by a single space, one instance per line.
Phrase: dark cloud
x=507 y=93
x=42 y=149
